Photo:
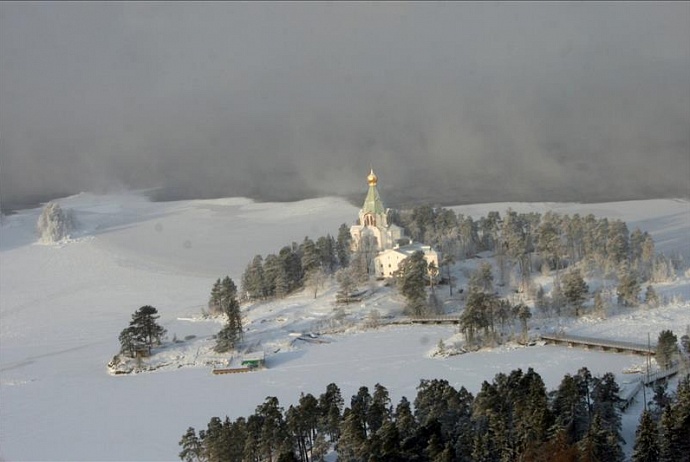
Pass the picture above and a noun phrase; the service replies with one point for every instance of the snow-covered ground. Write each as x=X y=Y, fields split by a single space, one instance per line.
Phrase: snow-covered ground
x=63 y=305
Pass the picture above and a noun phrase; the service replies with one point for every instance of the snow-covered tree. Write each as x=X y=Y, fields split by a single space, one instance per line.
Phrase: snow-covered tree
x=315 y=279
x=54 y=224
x=253 y=280
x=226 y=299
x=666 y=348
x=347 y=284
x=482 y=279
x=575 y=290
x=628 y=289
x=650 y=297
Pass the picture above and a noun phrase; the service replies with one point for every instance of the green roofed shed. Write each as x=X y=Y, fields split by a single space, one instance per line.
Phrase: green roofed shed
x=254 y=360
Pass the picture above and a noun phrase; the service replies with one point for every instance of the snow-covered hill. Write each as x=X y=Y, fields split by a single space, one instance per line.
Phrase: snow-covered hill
x=62 y=306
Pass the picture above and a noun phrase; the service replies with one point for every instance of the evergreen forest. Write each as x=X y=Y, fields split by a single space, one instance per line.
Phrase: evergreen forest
x=512 y=418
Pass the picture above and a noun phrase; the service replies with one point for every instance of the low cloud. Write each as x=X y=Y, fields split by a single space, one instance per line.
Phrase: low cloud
x=450 y=102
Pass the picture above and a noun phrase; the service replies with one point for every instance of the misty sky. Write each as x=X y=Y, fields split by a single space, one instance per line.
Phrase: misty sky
x=450 y=102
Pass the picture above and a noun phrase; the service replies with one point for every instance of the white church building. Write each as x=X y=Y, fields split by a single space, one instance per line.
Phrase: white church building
x=373 y=223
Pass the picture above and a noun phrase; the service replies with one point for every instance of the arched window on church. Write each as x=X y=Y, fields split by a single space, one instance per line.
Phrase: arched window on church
x=369 y=220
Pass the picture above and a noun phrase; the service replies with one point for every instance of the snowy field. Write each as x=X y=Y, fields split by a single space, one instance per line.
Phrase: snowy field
x=63 y=305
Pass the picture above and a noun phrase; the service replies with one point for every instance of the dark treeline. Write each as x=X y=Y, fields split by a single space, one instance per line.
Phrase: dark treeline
x=295 y=266
x=513 y=418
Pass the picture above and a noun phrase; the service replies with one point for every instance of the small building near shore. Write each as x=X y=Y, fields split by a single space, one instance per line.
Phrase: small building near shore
x=255 y=360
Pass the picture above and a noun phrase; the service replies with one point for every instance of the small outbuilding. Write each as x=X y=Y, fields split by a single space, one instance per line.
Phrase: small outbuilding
x=255 y=360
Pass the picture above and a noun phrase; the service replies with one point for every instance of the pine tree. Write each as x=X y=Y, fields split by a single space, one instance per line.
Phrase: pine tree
x=659 y=401
x=600 y=444
x=548 y=237
x=310 y=258
x=575 y=237
x=330 y=408
x=650 y=297
x=321 y=448
x=524 y=314
x=666 y=348
x=231 y=334
x=326 y=249
x=217 y=443
x=599 y=303
x=352 y=442
x=191 y=447
x=411 y=281
x=360 y=405
x=482 y=279
x=474 y=317
x=490 y=229
x=253 y=280
x=532 y=418
x=516 y=238
x=273 y=439
x=379 y=411
x=389 y=443
x=405 y=422
x=600 y=237
x=272 y=267
x=605 y=400
x=363 y=258
x=143 y=330
x=214 y=301
x=224 y=297
x=628 y=288
x=540 y=301
x=685 y=343
x=575 y=290
x=315 y=280
x=646 y=440
x=343 y=246
x=298 y=431
x=347 y=285
x=226 y=339
x=556 y=449
x=438 y=400
x=237 y=436
x=618 y=242
x=570 y=408
x=128 y=342
x=469 y=236
x=681 y=411
x=557 y=297
x=662 y=269
x=251 y=451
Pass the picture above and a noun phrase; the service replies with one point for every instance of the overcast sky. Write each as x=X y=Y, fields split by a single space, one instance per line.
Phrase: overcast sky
x=450 y=102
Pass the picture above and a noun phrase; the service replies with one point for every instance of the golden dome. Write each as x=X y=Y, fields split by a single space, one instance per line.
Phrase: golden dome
x=372 y=179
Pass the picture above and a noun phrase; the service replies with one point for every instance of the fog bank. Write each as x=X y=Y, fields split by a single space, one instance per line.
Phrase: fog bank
x=450 y=102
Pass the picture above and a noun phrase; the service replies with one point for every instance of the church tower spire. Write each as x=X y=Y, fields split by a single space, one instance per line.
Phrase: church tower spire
x=373 y=211
x=373 y=220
